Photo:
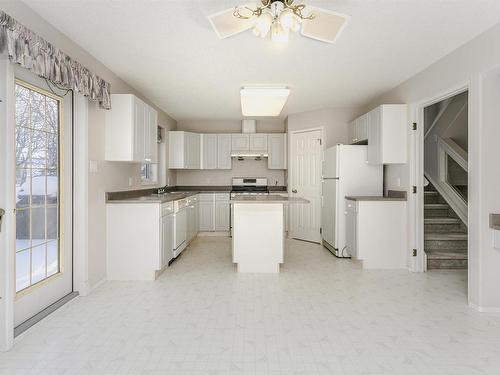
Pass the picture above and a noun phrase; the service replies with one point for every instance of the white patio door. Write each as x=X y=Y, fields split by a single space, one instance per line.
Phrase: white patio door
x=305 y=182
x=43 y=195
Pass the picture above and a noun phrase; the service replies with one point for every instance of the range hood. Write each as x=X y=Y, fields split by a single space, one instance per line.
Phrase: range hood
x=255 y=155
x=249 y=127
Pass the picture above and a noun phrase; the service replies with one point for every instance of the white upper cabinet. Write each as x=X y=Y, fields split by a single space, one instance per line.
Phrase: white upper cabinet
x=352 y=132
x=358 y=130
x=258 y=142
x=276 y=144
x=131 y=127
x=184 y=150
x=151 y=142
x=209 y=151
x=387 y=130
x=224 y=160
x=240 y=142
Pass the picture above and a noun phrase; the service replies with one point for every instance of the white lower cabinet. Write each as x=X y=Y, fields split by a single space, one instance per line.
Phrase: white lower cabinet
x=207 y=212
x=214 y=212
x=376 y=233
x=192 y=218
x=222 y=216
x=139 y=240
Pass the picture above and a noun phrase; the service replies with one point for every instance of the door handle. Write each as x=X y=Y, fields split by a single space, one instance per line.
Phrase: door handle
x=294 y=191
x=2 y=212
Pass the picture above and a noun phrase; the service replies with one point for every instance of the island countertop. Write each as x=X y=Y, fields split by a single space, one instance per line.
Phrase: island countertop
x=271 y=198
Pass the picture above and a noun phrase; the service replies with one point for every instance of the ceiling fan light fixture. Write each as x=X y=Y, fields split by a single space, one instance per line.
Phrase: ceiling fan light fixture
x=279 y=33
x=263 y=24
x=287 y=19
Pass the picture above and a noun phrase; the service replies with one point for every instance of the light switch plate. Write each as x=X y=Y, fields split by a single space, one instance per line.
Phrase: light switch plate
x=93 y=166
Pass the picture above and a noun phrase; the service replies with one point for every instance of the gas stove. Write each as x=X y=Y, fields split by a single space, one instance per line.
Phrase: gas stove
x=249 y=186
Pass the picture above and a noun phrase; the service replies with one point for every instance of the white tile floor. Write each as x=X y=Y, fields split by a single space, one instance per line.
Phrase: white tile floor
x=320 y=315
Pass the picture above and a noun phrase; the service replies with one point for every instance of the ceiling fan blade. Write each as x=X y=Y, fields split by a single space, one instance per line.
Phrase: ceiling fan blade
x=225 y=24
x=326 y=25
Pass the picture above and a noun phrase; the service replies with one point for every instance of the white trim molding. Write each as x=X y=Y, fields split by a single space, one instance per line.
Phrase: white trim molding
x=81 y=198
x=7 y=235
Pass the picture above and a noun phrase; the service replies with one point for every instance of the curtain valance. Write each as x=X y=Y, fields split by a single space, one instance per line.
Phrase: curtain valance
x=36 y=54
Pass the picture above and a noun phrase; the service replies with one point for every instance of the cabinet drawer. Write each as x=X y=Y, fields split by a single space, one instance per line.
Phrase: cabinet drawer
x=206 y=197
x=222 y=196
x=167 y=208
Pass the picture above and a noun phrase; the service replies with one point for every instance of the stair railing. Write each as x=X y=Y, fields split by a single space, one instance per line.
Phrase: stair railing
x=453 y=167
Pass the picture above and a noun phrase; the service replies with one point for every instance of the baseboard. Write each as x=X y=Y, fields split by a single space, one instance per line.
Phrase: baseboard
x=213 y=234
x=97 y=285
x=484 y=309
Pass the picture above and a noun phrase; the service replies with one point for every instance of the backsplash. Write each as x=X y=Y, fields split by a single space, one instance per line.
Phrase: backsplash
x=245 y=168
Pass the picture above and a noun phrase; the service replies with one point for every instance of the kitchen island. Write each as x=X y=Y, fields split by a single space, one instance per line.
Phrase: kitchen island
x=258 y=232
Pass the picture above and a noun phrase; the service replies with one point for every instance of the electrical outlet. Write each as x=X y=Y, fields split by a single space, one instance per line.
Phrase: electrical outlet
x=130 y=181
x=399 y=182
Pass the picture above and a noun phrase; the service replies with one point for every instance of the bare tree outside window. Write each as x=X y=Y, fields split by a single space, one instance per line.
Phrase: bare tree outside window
x=37 y=185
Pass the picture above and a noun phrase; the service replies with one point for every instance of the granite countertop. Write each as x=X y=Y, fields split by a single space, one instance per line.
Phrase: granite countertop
x=263 y=199
x=373 y=198
x=172 y=194
x=392 y=195
x=155 y=198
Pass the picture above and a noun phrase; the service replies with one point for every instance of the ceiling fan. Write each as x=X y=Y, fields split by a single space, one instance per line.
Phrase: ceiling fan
x=277 y=18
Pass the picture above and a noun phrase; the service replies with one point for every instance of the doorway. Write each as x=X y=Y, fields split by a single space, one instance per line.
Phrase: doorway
x=43 y=202
x=305 y=182
x=442 y=215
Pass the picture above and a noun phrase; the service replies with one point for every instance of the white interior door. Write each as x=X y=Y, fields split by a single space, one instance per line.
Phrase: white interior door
x=43 y=195
x=305 y=182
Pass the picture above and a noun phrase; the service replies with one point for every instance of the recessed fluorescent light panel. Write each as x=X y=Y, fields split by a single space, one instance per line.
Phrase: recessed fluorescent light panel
x=263 y=101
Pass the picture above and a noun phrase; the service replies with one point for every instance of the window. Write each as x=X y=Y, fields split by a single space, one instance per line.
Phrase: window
x=149 y=173
x=37 y=115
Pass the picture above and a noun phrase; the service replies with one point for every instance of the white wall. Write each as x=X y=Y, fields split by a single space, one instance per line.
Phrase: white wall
x=110 y=176
x=476 y=63
x=246 y=168
x=334 y=121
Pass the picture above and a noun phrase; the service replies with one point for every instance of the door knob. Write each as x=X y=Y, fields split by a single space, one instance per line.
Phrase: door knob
x=294 y=191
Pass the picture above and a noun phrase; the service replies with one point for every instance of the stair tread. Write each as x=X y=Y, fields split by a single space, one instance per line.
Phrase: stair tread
x=441 y=220
x=436 y=205
x=446 y=236
x=430 y=192
x=446 y=254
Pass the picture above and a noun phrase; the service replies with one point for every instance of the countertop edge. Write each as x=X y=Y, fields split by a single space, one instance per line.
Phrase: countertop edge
x=374 y=199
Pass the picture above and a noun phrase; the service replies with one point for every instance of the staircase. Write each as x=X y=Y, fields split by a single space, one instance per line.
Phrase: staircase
x=445 y=234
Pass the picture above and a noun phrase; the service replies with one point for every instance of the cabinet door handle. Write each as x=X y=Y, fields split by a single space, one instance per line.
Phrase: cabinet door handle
x=2 y=212
x=294 y=191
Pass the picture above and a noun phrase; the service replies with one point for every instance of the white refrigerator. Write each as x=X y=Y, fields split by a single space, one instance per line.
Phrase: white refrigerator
x=345 y=172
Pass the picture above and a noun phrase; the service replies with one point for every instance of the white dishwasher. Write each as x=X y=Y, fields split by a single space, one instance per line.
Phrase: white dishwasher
x=167 y=234
x=351 y=212
x=180 y=226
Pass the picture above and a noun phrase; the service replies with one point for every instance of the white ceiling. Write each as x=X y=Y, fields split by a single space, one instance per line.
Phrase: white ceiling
x=167 y=50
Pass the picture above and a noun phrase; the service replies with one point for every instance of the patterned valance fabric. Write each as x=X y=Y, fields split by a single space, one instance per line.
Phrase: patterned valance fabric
x=42 y=58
